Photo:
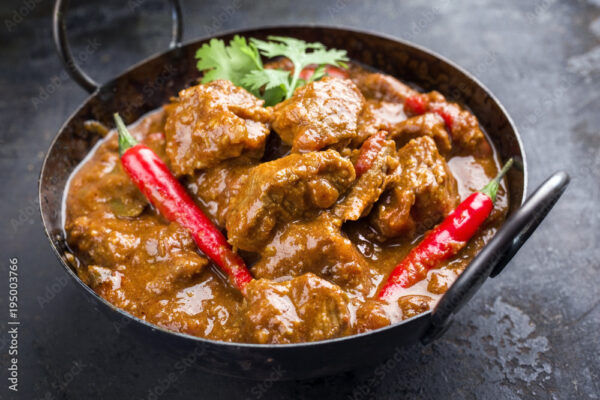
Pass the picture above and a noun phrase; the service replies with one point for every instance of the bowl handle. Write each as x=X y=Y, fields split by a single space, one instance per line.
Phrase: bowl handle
x=64 y=51
x=497 y=253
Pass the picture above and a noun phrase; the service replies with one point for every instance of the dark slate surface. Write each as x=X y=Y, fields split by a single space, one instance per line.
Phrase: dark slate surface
x=531 y=333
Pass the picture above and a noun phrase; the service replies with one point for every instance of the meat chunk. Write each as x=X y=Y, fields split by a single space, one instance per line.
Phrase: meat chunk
x=321 y=114
x=365 y=191
x=167 y=255
x=378 y=115
x=203 y=307
x=413 y=305
x=295 y=186
x=428 y=124
x=106 y=241
x=315 y=246
x=439 y=282
x=371 y=315
x=420 y=192
x=180 y=268
x=303 y=309
x=212 y=122
x=462 y=124
x=377 y=86
x=216 y=186
x=97 y=277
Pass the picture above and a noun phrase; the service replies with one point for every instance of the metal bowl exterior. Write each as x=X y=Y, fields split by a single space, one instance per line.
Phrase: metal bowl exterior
x=151 y=83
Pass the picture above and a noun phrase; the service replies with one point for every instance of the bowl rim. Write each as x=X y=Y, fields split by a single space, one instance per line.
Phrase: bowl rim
x=201 y=340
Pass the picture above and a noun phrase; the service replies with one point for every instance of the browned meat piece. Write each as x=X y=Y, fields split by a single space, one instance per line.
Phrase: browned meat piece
x=365 y=191
x=179 y=269
x=106 y=241
x=378 y=115
x=421 y=191
x=377 y=86
x=216 y=186
x=303 y=309
x=319 y=115
x=428 y=124
x=97 y=277
x=115 y=243
x=413 y=305
x=319 y=247
x=463 y=126
x=371 y=315
x=213 y=122
x=295 y=186
x=189 y=306
x=439 y=282
x=202 y=307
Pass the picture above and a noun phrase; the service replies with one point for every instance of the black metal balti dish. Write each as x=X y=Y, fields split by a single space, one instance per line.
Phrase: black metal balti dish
x=151 y=83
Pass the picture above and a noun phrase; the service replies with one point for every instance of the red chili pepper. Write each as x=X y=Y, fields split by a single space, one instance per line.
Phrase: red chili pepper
x=368 y=152
x=330 y=70
x=416 y=104
x=448 y=112
x=152 y=176
x=445 y=240
x=419 y=104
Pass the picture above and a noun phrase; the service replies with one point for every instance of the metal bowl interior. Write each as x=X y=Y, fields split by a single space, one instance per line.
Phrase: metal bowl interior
x=151 y=83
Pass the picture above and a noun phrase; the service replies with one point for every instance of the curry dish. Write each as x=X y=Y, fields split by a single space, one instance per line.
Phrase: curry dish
x=319 y=231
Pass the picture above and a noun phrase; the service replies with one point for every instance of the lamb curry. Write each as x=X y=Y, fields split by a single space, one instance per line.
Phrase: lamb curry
x=319 y=230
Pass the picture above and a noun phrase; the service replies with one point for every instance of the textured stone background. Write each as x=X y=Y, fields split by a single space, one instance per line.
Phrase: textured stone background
x=530 y=333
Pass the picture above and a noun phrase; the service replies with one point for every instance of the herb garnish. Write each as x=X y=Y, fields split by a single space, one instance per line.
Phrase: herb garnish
x=241 y=63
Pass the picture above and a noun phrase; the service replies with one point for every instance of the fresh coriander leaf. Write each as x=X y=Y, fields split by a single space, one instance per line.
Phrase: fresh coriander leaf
x=240 y=62
x=284 y=46
x=297 y=51
x=273 y=82
x=274 y=95
x=320 y=72
x=269 y=78
x=232 y=62
x=324 y=57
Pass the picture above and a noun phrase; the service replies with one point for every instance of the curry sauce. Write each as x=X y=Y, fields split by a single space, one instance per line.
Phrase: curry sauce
x=281 y=183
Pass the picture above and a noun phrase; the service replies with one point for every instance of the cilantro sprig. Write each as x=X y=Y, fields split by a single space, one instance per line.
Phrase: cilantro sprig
x=241 y=63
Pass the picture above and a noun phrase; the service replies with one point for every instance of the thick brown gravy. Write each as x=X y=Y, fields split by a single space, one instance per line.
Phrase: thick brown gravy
x=316 y=285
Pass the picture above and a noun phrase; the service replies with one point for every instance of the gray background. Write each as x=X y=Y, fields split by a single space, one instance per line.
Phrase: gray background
x=530 y=333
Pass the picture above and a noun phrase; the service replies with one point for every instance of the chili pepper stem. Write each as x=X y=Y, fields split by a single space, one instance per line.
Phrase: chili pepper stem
x=492 y=188
x=126 y=141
